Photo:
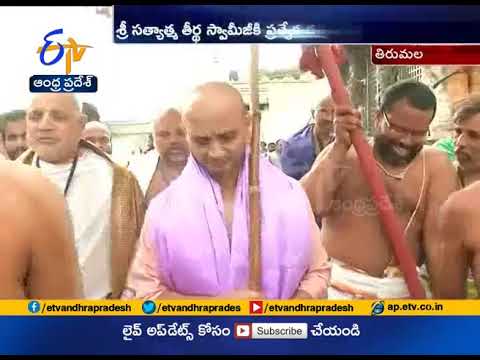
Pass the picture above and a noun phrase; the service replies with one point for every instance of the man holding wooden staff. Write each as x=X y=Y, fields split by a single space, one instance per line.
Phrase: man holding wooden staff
x=195 y=240
x=418 y=180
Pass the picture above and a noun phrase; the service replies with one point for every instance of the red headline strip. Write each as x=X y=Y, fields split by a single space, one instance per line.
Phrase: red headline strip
x=426 y=54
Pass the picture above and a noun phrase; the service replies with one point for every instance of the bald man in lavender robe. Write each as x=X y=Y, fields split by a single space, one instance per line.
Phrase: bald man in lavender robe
x=194 y=242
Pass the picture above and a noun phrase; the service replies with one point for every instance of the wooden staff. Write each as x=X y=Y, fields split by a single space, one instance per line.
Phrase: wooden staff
x=327 y=63
x=255 y=213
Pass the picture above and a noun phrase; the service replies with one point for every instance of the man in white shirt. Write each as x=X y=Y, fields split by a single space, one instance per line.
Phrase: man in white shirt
x=104 y=199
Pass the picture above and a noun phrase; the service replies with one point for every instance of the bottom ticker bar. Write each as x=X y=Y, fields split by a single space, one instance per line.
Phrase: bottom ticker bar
x=245 y=335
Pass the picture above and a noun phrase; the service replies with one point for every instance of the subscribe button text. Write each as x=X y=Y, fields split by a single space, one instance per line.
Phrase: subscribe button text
x=271 y=331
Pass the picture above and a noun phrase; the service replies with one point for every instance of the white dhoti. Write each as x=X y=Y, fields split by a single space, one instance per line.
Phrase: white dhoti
x=347 y=282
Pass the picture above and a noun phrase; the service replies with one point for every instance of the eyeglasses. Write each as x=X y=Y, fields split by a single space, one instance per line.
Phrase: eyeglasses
x=417 y=134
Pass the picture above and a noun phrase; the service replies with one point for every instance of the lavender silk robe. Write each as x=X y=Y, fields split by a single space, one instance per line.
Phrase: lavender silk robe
x=191 y=240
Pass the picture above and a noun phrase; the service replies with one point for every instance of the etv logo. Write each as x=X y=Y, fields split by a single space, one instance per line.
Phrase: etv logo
x=75 y=51
x=256 y=307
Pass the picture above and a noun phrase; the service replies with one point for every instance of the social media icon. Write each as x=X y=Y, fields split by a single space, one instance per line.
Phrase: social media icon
x=34 y=307
x=242 y=331
x=378 y=307
x=256 y=307
x=279 y=330
x=149 y=307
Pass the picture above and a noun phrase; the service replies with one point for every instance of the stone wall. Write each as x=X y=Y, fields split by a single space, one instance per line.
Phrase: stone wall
x=441 y=125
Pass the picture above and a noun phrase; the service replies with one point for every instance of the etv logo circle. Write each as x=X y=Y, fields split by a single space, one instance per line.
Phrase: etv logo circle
x=34 y=307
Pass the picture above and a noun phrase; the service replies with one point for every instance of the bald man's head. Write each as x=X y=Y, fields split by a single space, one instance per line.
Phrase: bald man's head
x=97 y=125
x=215 y=97
x=67 y=101
x=98 y=134
x=169 y=138
x=165 y=114
x=54 y=127
x=217 y=127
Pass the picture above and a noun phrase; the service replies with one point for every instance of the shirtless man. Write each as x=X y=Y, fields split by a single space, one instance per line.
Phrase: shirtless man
x=418 y=181
x=461 y=213
x=38 y=253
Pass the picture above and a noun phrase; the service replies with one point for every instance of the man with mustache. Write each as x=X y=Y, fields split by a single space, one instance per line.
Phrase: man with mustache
x=467 y=140
x=461 y=213
x=14 y=133
x=195 y=240
x=160 y=166
x=418 y=180
x=104 y=198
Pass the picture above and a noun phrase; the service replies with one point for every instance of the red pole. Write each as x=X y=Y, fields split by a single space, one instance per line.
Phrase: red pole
x=387 y=216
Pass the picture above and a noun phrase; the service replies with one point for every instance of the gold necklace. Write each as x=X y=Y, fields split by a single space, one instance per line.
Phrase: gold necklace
x=398 y=176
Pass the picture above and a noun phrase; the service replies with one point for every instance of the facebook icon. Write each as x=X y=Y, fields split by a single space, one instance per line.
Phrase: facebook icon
x=34 y=307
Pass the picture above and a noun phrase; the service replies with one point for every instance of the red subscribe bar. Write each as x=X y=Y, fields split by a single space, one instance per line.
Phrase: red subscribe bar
x=425 y=54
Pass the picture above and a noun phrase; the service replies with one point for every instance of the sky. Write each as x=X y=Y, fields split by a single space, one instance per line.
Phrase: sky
x=134 y=80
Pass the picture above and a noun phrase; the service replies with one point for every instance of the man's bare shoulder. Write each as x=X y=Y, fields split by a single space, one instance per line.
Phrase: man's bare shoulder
x=33 y=211
x=351 y=160
x=459 y=216
x=437 y=159
x=23 y=189
x=36 y=223
x=464 y=203
x=20 y=180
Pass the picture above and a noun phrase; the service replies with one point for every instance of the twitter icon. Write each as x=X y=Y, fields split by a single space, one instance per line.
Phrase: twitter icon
x=149 y=307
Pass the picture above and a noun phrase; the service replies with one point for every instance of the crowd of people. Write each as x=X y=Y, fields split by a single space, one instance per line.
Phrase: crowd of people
x=174 y=223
